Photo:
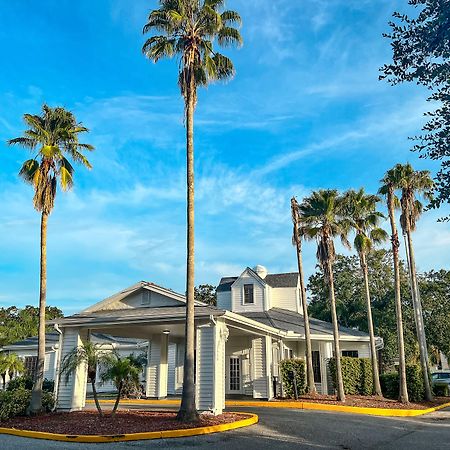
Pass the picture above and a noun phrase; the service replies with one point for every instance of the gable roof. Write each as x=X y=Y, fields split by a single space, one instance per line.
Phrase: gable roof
x=136 y=287
x=275 y=280
x=293 y=321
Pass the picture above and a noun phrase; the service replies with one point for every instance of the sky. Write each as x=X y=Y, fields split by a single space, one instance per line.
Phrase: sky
x=305 y=111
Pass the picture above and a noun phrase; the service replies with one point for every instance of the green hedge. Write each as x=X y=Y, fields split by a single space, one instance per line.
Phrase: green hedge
x=287 y=369
x=15 y=403
x=25 y=382
x=356 y=374
x=414 y=381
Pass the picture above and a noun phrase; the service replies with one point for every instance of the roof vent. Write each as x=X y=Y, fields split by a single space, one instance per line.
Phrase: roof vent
x=261 y=271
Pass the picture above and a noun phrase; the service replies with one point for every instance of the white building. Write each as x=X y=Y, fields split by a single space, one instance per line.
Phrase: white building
x=257 y=323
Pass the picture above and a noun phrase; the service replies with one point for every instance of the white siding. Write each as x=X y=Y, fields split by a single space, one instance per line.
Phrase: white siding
x=237 y=291
x=134 y=300
x=72 y=394
x=224 y=300
x=157 y=367
x=285 y=298
x=261 y=362
x=172 y=361
x=362 y=348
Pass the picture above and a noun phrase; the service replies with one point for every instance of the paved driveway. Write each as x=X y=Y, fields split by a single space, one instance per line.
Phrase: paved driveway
x=287 y=429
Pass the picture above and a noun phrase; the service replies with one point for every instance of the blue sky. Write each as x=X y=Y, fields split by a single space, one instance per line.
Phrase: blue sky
x=305 y=111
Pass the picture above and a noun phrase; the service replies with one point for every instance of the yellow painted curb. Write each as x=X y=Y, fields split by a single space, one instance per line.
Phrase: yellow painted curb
x=251 y=420
x=304 y=405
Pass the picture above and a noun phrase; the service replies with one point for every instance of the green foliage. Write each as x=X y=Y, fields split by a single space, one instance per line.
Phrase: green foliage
x=25 y=382
x=287 y=369
x=420 y=42
x=356 y=374
x=414 y=380
x=351 y=306
x=206 y=293
x=441 y=389
x=15 y=403
x=20 y=323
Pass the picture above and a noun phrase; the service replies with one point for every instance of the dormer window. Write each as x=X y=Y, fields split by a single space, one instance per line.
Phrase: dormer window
x=248 y=294
x=146 y=297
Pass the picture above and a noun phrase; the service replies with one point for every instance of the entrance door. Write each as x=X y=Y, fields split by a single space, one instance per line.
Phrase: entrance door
x=234 y=378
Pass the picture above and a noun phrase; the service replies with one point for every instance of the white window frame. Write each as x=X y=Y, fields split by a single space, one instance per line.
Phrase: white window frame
x=253 y=294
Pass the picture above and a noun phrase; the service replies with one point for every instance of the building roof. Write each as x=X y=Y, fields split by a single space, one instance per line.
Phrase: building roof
x=157 y=314
x=292 y=321
x=274 y=280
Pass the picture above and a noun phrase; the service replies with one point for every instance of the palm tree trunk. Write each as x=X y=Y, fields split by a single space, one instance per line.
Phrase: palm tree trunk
x=309 y=366
x=337 y=350
x=403 y=387
x=418 y=315
x=116 y=404
x=36 y=394
x=94 y=393
x=188 y=411
x=373 y=350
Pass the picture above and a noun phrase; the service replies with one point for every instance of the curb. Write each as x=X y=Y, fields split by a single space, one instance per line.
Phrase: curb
x=251 y=420
x=305 y=405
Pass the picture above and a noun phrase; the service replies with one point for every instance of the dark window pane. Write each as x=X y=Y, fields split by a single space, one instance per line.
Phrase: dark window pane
x=316 y=366
x=248 y=293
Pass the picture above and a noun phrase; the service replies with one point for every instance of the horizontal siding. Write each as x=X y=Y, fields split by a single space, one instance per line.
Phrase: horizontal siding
x=285 y=298
x=172 y=361
x=259 y=368
x=237 y=294
x=224 y=300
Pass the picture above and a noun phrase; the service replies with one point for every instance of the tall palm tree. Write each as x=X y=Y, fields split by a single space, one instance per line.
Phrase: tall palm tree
x=51 y=137
x=388 y=187
x=189 y=29
x=321 y=216
x=361 y=211
x=15 y=365
x=297 y=236
x=93 y=357
x=415 y=183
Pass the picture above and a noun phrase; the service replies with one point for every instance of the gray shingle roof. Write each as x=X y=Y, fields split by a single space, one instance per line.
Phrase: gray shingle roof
x=50 y=338
x=292 y=321
x=275 y=280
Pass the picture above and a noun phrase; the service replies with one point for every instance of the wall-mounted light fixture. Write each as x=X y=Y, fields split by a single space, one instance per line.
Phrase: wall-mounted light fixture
x=166 y=331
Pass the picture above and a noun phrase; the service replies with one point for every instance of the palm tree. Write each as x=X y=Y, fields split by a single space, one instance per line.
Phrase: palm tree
x=321 y=216
x=51 y=136
x=413 y=183
x=15 y=365
x=93 y=357
x=388 y=187
x=122 y=371
x=298 y=233
x=361 y=211
x=189 y=29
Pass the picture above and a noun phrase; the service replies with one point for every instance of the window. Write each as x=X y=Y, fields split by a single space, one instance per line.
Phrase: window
x=350 y=353
x=146 y=297
x=248 y=294
x=30 y=363
x=316 y=366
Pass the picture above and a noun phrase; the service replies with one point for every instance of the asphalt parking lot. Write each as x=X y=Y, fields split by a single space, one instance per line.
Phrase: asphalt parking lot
x=287 y=429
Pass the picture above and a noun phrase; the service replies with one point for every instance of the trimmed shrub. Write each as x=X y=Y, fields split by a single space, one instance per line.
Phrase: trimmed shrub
x=287 y=369
x=441 y=390
x=25 y=382
x=356 y=375
x=15 y=403
x=414 y=381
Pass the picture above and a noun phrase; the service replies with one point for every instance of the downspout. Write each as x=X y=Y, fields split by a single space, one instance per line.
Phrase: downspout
x=58 y=365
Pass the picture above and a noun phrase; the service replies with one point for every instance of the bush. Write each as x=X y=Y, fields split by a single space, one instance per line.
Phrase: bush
x=441 y=390
x=15 y=403
x=356 y=375
x=414 y=381
x=287 y=369
x=25 y=382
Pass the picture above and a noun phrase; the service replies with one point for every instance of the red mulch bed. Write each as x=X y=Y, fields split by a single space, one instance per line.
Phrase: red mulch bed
x=125 y=422
x=369 y=401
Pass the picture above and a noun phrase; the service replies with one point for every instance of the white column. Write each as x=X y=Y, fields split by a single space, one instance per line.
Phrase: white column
x=72 y=393
x=262 y=362
x=157 y=366
x=210 y=371
x=326 y=352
